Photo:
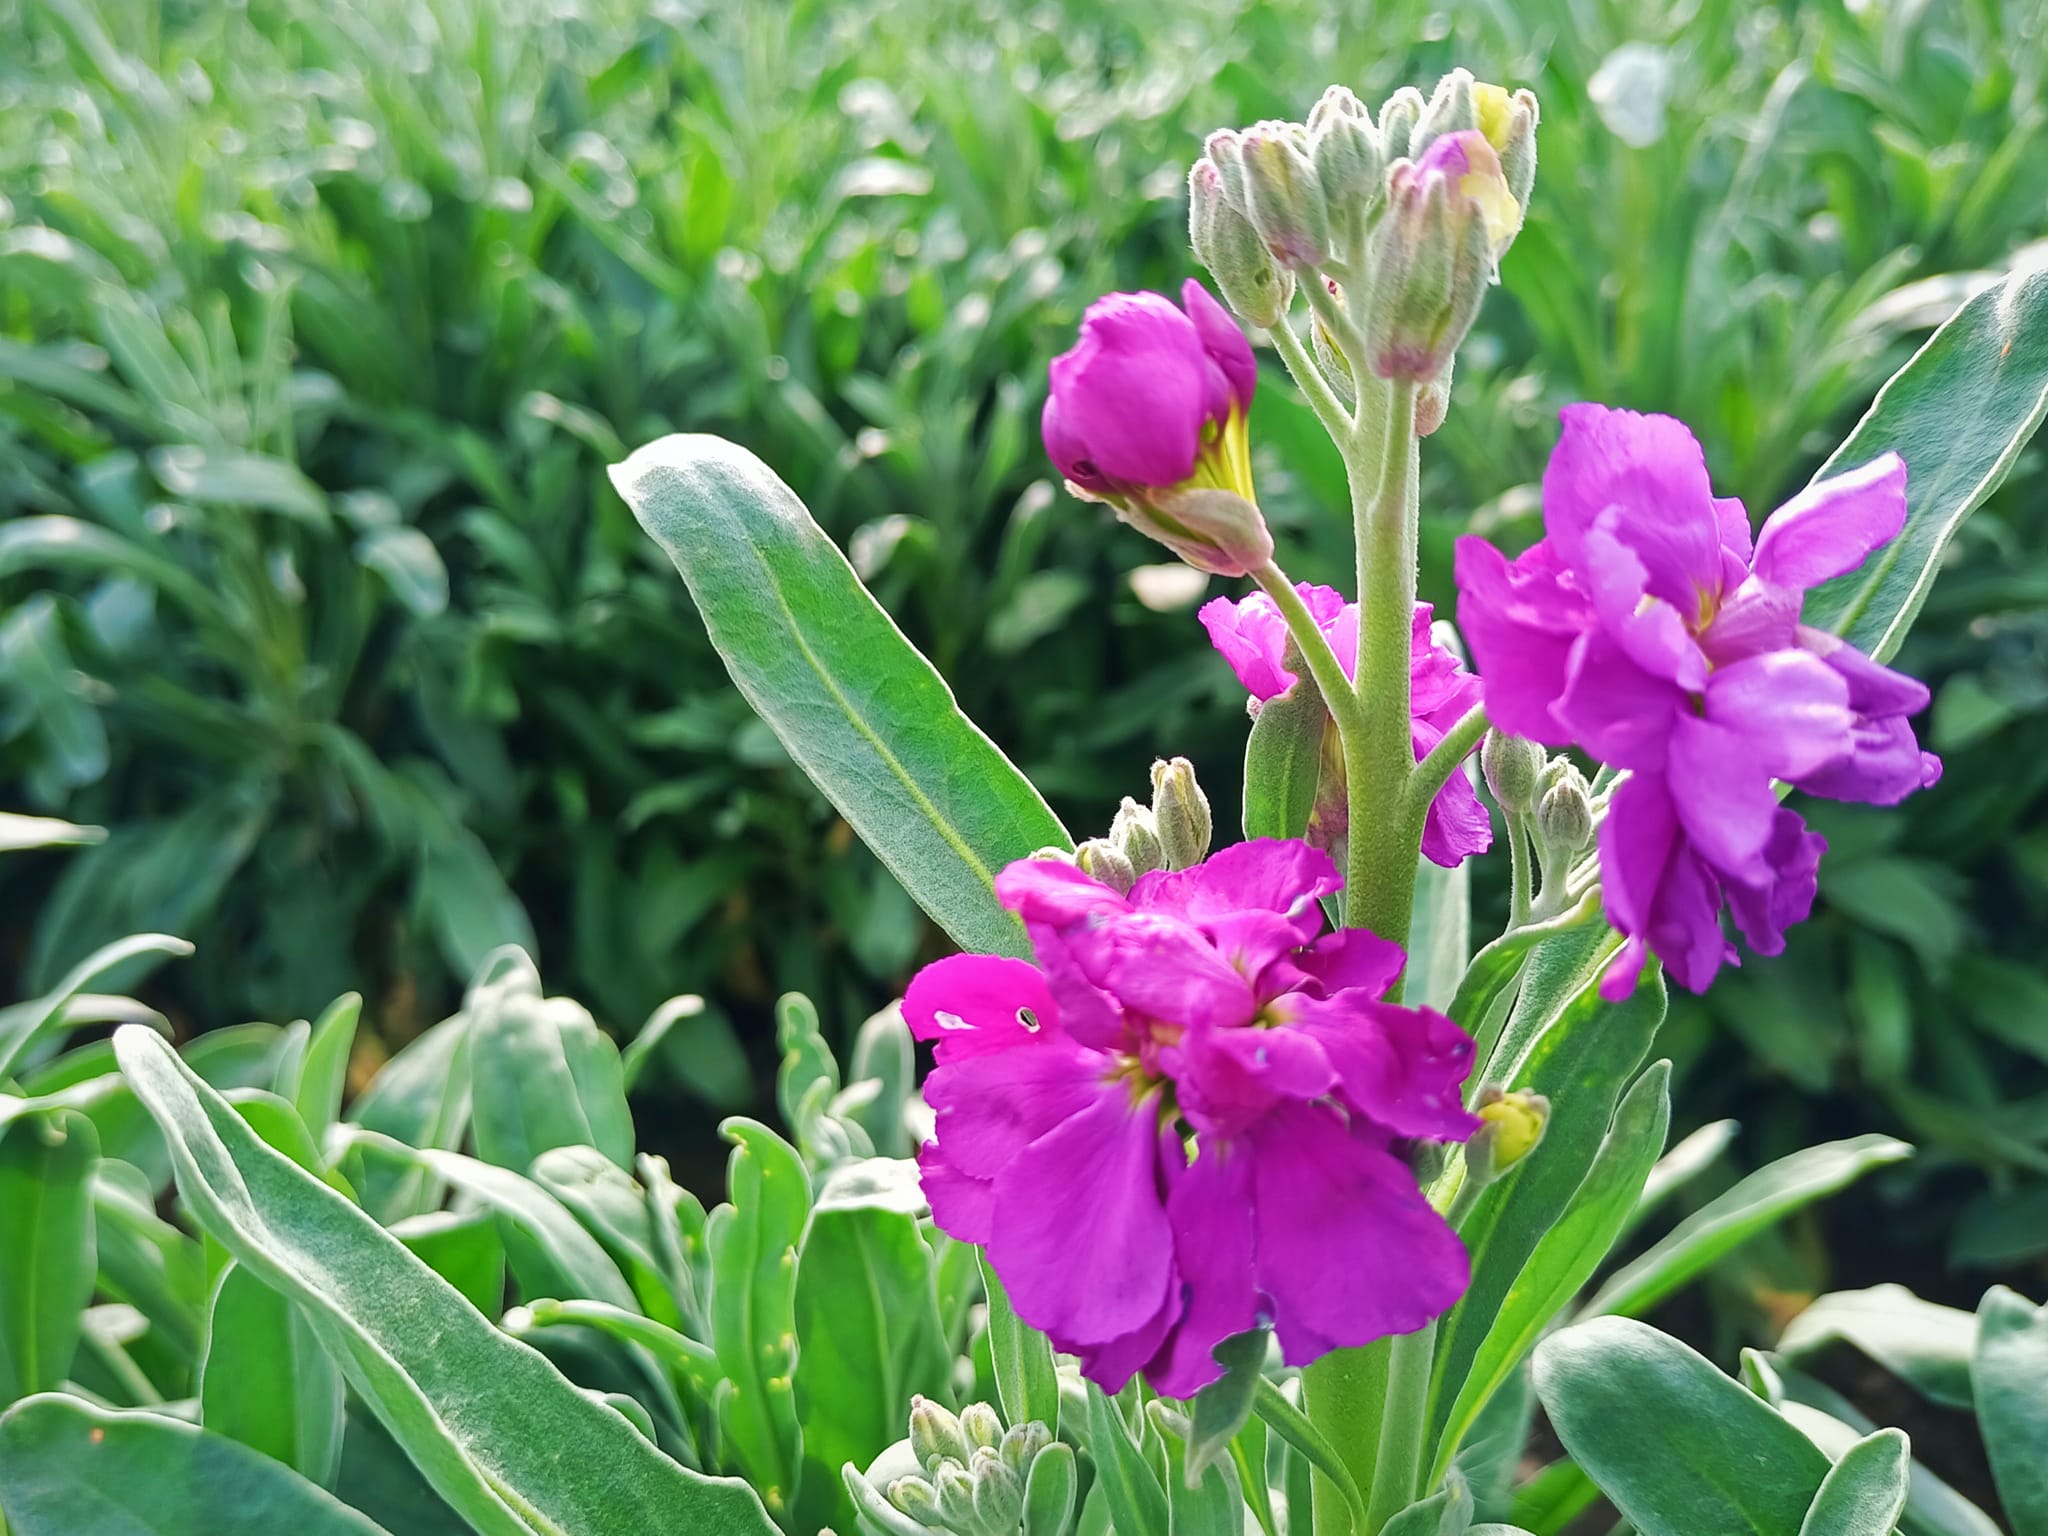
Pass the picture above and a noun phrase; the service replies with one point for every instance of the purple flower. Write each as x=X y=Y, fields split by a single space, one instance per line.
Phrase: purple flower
x=1648 y=630
x=1253 y=639
x=1146 y=390
x=1218 y=1089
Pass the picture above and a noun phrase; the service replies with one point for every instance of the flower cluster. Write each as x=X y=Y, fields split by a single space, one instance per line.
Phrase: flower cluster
x=1220 y=1090
x=1648 y=629
x=1253 y=639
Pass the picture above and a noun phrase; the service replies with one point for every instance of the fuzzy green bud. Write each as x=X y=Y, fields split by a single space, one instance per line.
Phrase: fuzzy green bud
x=1564 y=814
x=1102 y=860
x=1452 y=108
x=936 y=1435
x=1224 y=149
x=1218 y=531
x=1513 y=767
x=1346 y=151
x=916 y=1498
x=1225 y=242
x=1181 y=812
x=956 y=1499
x=1398 y=117
x=1283 y=198
x=984 y=1426
x=1511 y=1124
x=1136 y=836
x=1021 y=1446
x=998 y=1492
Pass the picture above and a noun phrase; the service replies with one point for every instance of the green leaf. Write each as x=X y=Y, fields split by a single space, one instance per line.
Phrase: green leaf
x=463 y=1249
x=1283 y=757
x=1049 y=1491
x=324 y=1075
x=22 y=1022
x=1585 y=1056
x=753 y=1243
x=1681 y=1165
x=46 y=1247
x=253 y=480
x=1675 y=1445
x=1292 y=1425
x=145 y=1261
x=542 y=1074
x=2010 y=1373
x=614 y=1209
x=1137 y=1504
x=265 y=1381
x=1027 y=1384
x=1759 y=1201
x=419 y=1098
x=1447 y=1512
x=867 y=1336
x=18 y=831
x=1222 y=1408
x=1567 y=1255
x=70 y=1469
x=1206 y=1502
x=863 y=714
x=1865 y=1492
x=1959 y=413
x=496 y=1429
x=1927 y=1345
x=1440 y=936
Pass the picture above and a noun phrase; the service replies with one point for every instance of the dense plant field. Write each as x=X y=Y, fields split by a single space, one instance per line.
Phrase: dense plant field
x=324 y=625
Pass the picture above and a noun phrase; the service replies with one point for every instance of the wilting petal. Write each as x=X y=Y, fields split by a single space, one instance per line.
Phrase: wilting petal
x=1399 y=1067
x=1348 y=1248
x=1724 y=796
x=1791 y=710
x=1884 y=764
x=1832 y=526
x=1649 y=469
x=1094 y=1282
x=1764 y=911
x=1617 y=711
x=1211 y=1211
x=970 y=1004
x=1521 y=620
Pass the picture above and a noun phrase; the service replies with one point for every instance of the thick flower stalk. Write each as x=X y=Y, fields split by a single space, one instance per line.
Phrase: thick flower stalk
x=1648 y=629
x=1147 y=413
x=1221 y=1088
x=1252 y=636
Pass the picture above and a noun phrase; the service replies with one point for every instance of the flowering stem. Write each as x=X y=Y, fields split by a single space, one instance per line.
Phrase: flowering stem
x=1522 y=877
x=1308 y=377
x=1402 y=1427
x=1435 y=770
x=1314 y=646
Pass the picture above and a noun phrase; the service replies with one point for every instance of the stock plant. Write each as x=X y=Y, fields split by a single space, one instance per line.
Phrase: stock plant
x=1247 y=1191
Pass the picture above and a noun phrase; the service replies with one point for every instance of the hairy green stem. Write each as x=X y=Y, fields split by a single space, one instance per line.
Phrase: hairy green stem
x=1314 y=646
x=1403 y=1427
x=1308 y=377
x=1435 y=770
x=1521 y=878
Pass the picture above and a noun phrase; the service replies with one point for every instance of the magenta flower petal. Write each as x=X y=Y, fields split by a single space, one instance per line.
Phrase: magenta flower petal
x=1457 y=827
x=1211 y=1211
x=1262 y=874
x=1831 y=527
x=990 y=1107
x=1352 y=958
x=1791 y=708
x=1736 y=538
x=1725 y=804
x=1054 y=892
x=1874 y=689
x=1399 y=1067
x=1134 y=391
x=1224 y=344
x=1387 y=1267
x=975 y=1003
x=1652 y=470
x=1116 y=1277
x=1163 y=968
x=1621 y=713
x=1252 y=637
x=1658 y=891
x=1650 y=628
x=1228 y=1078
x=1111 y=1365
x=1521 y=620
x=1764 y=911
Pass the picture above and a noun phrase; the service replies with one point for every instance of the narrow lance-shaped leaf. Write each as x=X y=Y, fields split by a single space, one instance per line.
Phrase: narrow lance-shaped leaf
x=265 y=1380
x=1959 y=413
x=1026 y=1382
x=46 y=1247
x=542 y=1075
x=70 y=1469
x=1865 y=1493
x=2010 y=1373
x=857 y=707
x=500 y=1434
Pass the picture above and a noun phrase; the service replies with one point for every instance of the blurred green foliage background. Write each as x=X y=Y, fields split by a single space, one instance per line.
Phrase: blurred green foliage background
x=319 y=323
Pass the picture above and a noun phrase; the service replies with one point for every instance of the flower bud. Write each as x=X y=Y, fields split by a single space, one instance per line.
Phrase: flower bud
x=1398 y=117
x=1329 y=356
x=1564 y=814
x=1511 y=1126
x=1021 y=1446
x=1509 y=123
x=1181 y=812
x=916 y=1498
x=984 y=1426
x=1449 y=216
x=1052 y=854
x=956 y=1499
x=1213 y=530
x=1346 y=153
x=998 y=1492
x=1283 y=199
x=1224 y=149
x=1513 y=767
x=1453 y=108
x=1100 y=859
x=1230 y=248
x=1136 y=837
x=1433 y=400
x=935 y=1434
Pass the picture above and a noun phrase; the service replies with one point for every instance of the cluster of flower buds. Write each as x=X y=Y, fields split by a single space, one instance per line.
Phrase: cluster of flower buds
x=1173 y=833
x=975 y=1473
x=1410 y=215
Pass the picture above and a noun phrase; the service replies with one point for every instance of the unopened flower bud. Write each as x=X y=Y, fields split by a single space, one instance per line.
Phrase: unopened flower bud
x=1346 y=152
x=956 y=1499
x=1449 y=216
x=1453 y=108
x=984 y=1426
x=1136 y=837
x=1509 y=123
x=1564 y=815
x=1513 y=767
x=916 y=1498
x=1225 y=243
x=1213 y=530
x=936 y=1435
x=1398 y=117
x=1433 y=400
x=1181 y=812
x=998 y=1492
x=1282 y=196
x=1512 y=1125
x=1052 y=854
x=1224 y=149
x=1101 y=860
x=1021 y=1446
